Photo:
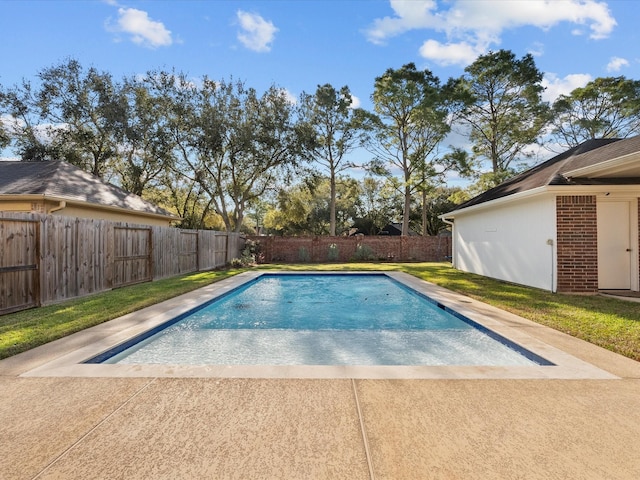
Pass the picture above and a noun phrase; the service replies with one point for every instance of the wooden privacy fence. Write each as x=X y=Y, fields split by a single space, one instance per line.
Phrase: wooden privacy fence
x=358 y=247
x=45 y=258
x=19 y=279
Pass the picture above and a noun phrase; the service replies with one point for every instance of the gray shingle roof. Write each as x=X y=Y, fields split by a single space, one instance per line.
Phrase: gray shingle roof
x=64 y=181
x=552 y=171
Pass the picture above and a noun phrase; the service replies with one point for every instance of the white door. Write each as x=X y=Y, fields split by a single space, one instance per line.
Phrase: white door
x=614 y=245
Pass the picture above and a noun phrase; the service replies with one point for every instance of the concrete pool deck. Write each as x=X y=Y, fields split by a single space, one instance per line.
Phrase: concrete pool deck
x=62 y=423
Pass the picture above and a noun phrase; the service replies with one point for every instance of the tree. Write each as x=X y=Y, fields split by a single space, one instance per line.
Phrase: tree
x=147 y=147
x=438 y=201
x=258 y=208
x=332 y=122
x=5 y=137
x=86 y=112
x=170 y=97
x=241 y=145
x=414 y=114
x=348 y=205
x=455 y=159
x=381 y=203
x=111 y=130
x=300 y=210
x=505 y=112
x=303 y=209
x=187 y=198
x=22 y=124
x=604 y=108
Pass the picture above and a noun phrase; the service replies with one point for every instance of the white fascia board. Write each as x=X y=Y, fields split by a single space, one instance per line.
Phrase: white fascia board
x=633 y=190
x=497 y=202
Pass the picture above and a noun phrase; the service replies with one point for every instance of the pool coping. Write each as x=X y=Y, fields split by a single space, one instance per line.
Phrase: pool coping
x=67 y=361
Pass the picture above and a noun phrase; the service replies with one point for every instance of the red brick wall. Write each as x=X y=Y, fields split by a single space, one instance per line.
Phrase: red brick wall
x=320 y=250
x=577 y=244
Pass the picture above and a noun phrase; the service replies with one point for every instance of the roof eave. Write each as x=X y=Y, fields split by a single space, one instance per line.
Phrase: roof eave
x=615 y=164
x=551 y=189
x=82 y=203
x=496 y=202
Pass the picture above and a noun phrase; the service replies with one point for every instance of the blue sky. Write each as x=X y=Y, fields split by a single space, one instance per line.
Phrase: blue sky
x=299 y=44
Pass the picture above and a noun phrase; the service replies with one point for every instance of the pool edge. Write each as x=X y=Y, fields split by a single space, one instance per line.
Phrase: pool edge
x=565 y=366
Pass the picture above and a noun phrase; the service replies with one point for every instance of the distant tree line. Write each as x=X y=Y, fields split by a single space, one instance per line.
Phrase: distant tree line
x=222 y=155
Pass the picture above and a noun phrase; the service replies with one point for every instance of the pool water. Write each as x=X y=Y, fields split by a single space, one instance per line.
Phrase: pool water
x=322 y=319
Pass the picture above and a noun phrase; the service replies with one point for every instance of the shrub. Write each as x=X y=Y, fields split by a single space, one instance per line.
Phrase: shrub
x=303 y=255
x=364 y=252
x=334 y=253
x=236 y=263
x=252 y=253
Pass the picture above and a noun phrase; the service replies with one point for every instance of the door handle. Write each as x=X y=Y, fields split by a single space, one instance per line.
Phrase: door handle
x=628 y=249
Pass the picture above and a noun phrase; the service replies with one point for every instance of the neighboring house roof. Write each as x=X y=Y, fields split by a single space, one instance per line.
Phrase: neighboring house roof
x=610 y=161
x=395 y=229
x=60 y=180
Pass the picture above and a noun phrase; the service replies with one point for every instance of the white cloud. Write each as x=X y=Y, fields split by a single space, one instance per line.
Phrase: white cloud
x=616 y=63
x=355 y=102
x=475 y=25
x=143 y=30
x=554 y=86
x=257 y=33
x=410 y=15
x=450 y=54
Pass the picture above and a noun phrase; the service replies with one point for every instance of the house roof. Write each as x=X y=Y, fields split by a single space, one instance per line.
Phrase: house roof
x=609 y=161
x=63 y=181
x=395 y=228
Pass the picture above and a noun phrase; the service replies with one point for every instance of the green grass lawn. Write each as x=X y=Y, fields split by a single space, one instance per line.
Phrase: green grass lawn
x=611 y=323
x=24 y=330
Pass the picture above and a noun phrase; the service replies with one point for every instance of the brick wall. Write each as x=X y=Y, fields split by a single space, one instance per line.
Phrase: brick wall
x=577 y=247
x=344 y=249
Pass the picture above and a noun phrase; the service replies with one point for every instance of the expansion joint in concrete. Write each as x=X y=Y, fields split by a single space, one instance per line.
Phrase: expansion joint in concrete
x=363 y=430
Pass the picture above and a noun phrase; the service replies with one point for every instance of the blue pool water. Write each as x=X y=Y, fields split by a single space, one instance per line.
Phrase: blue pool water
x=325 y=319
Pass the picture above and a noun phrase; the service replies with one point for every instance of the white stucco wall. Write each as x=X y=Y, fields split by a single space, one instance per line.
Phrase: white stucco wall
x=509 y=242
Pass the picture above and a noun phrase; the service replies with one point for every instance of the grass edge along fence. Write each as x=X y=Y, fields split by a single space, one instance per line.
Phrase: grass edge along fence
x=45 y=259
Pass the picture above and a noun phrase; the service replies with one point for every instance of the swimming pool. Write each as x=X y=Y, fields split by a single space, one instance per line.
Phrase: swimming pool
x=321 y=319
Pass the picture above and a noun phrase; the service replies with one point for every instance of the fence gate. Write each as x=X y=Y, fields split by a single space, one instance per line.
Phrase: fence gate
x=188 y=251
x=132 y=255
x=19 y=258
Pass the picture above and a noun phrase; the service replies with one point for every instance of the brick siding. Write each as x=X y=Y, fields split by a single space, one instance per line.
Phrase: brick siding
x=577 y=244
x=344 y=249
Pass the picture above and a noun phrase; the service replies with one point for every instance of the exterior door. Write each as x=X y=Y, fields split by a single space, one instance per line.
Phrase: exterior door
x=614 y=245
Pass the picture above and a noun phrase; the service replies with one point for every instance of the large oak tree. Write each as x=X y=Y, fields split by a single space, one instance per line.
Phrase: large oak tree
x=241 y=145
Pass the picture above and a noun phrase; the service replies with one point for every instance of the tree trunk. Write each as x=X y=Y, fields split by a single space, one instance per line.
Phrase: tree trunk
x=424 y=213
x=332 y=205
x=407 y=210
